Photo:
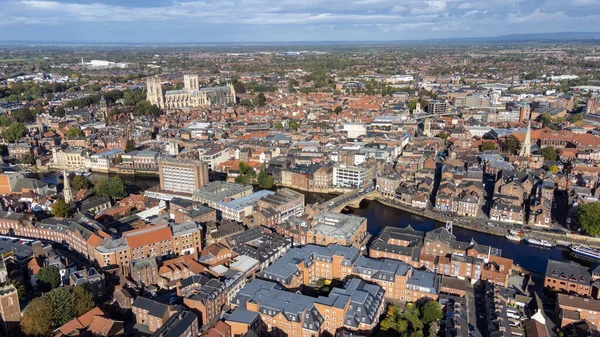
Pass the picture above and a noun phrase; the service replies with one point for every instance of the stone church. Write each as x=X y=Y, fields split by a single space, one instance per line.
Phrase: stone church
x=191 y=96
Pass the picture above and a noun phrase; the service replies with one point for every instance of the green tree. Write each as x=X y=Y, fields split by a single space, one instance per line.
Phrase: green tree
x=488 y=146
x=553 y=169
x=443 y=136
x=59 y=112
x=246 y=102
x=293 y=125
x=512 y=144
x=61 y=209
x=83 y=301
x=588 y=217
x=74 y=133
x=5 y=121
x=244 y=168
x=431 y=311
x=264 y=180
x=37 y=318
x=14 y=132
x=129 y=145
x=111 y=187
x=80 y=183
x=27 y=159
x=278 y=125
x=262 y=100
x=21 y=289
x=242 y=179
x=13 y=98
x=549 y=153
x=63 y=304
x=239 y=87
x=47 y=278
x=338 y=109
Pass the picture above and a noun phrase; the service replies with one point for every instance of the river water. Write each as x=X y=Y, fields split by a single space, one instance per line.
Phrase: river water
x=378 y=216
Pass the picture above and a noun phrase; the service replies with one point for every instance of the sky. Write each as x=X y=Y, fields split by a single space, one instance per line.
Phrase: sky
x=170 y=21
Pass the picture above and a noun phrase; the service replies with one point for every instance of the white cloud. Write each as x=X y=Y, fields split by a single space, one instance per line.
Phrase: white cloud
x=432 y=7
x=398 y=9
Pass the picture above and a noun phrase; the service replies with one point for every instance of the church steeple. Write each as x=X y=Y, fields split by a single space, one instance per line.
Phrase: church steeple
x=526 y=148
x=67 y=192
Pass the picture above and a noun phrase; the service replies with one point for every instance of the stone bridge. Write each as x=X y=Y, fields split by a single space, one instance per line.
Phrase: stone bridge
x=350 y=199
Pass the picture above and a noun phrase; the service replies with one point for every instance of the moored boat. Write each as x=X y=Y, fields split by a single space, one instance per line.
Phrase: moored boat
x=513 y=237
x=585 y=251
x=539 y=242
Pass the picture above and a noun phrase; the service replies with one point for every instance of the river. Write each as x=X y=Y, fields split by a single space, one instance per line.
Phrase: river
x=378 y=216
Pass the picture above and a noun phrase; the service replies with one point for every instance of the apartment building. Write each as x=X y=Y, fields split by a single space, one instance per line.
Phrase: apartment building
x=183 y=323
x=356 y=307
x=303 y=266
x=285 y=202
x=165 y=239
x=342 y=229
x=182 y=176
x=220 y=191
x=102 y=162
x=213 y=156
x=204 y=295
x=437 y=107
x=572 y=309
x=568 y=277
x=151 y=313
x=438 y=250
x=140 y=160
x=242 y=207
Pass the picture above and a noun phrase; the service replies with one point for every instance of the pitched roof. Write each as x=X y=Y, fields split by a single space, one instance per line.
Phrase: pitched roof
x=147 y=236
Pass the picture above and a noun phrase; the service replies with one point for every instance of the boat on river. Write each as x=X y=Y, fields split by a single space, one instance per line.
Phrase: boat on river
x=539 y=242
x=585 y=251
x=512 y=237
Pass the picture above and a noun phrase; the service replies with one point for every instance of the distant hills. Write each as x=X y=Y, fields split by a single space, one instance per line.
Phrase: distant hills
x=535 y=37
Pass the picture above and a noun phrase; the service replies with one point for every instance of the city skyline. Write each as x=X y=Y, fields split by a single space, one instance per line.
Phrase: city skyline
x=162 y=21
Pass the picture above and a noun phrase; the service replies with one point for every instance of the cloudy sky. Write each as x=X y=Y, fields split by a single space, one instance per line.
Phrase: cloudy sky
x=164 y=21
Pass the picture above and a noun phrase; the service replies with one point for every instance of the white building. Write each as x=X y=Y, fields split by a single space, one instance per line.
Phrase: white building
x=214 y=156
x=355 y=130
x=348 y=176
x=400 y=79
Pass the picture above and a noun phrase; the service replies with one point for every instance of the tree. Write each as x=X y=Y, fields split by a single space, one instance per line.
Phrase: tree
x=264 y=180
x=129 y=145
x=588 y=217
x=80 y=183
x=37 y=318
x=549 y=153
x=13 y=98
x=431 y=311
x=14 y=132
x=21 y=289
x=338 y=109
x=262 y=100
x=59 y=112
x=242 y=179
x=83 y=301
x=278 y=125
x=293 y=125
x=63 y=304
x=488 y=146
x=74 y=133
x=111 y=187
x=244 y=168
x=553 y=169
x=61 y=209
x=48 y=278
x=27 y=159
x=443 y=136
x=512 y=144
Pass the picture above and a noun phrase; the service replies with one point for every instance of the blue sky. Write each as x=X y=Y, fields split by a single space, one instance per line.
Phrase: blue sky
x=168 y=21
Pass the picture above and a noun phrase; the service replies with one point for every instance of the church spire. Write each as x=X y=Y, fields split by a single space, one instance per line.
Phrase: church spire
x=526 y=148
x=67 y=192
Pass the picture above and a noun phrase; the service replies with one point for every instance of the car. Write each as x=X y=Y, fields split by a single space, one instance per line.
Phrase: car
x=331 y=203
x=481 y=315
x=471 y=327
x=154 y=294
